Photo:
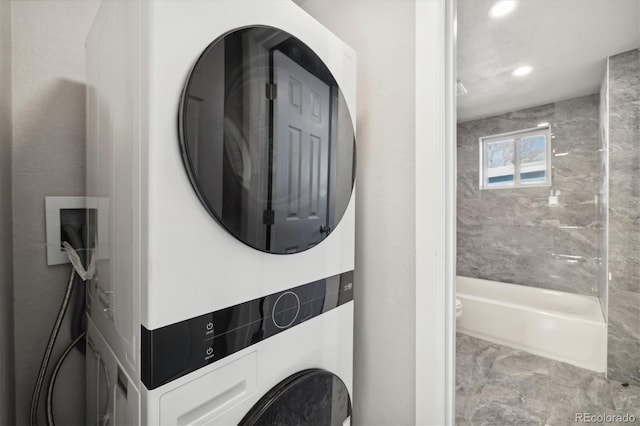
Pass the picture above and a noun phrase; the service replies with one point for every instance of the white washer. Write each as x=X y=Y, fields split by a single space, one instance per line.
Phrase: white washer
x=221 y=159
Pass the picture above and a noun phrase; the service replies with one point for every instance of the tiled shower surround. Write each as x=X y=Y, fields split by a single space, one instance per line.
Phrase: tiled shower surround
x=624 y=217
x=603 y=194
x=513 y=235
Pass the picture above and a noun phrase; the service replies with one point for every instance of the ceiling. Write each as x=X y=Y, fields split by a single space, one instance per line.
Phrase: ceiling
x=565 y=41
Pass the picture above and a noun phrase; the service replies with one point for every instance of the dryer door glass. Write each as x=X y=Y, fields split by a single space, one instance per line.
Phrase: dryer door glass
x=311 y=397
x=267 y=140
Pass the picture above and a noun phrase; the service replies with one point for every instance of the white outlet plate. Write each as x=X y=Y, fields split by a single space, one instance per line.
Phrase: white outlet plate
x=53 y=206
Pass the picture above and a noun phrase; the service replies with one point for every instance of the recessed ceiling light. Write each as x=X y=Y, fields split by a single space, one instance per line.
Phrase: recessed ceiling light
x=502 y=8
x=545 y=124
x=519 y=72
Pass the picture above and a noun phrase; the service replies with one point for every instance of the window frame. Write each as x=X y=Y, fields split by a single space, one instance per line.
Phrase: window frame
x=516 y=136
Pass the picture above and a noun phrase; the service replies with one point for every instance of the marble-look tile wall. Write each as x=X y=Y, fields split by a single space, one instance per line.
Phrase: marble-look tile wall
x=513 y=235
x=624 y=217
x=603 y=194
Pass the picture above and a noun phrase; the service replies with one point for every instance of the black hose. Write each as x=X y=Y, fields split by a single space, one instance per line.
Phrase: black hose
x=77 y=323
x=54 y=376
x=35 y=398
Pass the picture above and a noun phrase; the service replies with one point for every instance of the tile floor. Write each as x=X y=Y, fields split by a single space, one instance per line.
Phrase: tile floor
x=497 y=385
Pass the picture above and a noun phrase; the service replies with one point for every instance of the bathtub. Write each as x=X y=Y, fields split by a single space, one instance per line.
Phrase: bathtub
x=562 y=326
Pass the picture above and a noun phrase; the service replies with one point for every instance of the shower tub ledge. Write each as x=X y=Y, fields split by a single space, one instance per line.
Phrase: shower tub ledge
x=563 y=326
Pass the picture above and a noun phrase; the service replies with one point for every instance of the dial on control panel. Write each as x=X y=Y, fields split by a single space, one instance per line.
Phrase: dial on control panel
x=285 y=309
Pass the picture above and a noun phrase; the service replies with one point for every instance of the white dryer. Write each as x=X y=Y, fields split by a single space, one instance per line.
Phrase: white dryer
x=221 y=156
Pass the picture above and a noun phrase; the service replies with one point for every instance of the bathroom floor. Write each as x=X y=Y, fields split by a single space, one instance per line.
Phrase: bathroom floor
x=497 y=385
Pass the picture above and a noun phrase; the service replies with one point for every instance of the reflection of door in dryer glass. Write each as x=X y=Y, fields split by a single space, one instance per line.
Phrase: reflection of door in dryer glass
x=267 y=140
x=300 y=157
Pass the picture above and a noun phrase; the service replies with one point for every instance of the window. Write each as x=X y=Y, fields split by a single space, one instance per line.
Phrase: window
x=516 y=159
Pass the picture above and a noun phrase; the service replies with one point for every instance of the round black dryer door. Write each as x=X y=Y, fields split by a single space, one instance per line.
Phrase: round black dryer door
x=267 y=140
x=311 y=397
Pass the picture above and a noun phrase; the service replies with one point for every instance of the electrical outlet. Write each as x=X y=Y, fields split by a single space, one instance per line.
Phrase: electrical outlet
x=61 y=211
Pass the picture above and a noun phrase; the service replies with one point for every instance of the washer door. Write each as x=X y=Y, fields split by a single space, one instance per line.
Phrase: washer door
x=311 y=397
x=267 y=140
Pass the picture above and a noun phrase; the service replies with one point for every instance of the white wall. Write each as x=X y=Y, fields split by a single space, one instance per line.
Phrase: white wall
x=48 y=159
x=6 y=249
x=383 y=35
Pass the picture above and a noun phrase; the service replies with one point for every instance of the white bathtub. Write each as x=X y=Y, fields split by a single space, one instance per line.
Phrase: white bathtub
x=562 y=326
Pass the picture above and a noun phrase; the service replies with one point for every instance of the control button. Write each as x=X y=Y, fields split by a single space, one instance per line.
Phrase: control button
x=208 y=353
x=285 y=309
x=208 y=328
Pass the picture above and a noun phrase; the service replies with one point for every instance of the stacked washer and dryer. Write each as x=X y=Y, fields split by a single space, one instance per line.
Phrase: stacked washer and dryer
x=221 y=156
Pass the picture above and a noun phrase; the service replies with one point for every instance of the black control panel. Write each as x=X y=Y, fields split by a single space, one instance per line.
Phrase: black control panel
x=178 y=349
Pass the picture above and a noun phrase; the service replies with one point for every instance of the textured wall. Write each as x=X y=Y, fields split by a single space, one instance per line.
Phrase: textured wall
x=512 y=235
x=48 y=159
x=624 y=217
x=6 y=250
x=383 y=35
